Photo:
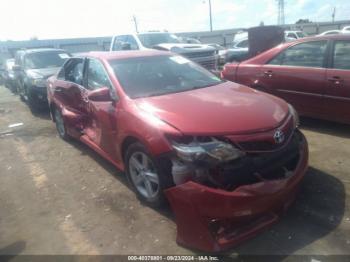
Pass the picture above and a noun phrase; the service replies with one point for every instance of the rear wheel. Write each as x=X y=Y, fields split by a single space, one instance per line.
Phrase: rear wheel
x=31 y=101
x=22 y=91
x=148 y=177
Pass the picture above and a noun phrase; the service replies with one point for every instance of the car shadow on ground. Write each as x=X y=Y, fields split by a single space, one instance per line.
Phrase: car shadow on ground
x=325 y=127
x=117 y=174
x=42 y=113
x=317 y=211
x=11 y=251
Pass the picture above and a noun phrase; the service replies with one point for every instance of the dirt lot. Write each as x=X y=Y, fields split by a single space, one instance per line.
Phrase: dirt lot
x=62 y=198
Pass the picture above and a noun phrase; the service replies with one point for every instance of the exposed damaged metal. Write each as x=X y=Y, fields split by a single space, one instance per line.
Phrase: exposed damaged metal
x=237 y=199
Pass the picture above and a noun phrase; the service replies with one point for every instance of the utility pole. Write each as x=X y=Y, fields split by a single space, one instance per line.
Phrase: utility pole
x=281 y=18
x=210 y=17
x=135 y=23
x=333 y=15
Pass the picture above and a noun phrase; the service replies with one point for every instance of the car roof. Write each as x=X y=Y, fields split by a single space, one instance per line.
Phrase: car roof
x=124 y=54
x=152 y=32
x=323 y=37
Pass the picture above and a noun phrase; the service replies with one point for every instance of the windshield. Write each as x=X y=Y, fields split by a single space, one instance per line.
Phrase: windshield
x=159 y=75
x=150 y=40
x=300 y=34
x=45 y=59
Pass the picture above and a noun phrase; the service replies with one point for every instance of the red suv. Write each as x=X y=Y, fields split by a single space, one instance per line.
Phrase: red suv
x=229 y=159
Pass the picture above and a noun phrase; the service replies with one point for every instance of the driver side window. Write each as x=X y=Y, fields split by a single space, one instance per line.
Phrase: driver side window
x=96 y=75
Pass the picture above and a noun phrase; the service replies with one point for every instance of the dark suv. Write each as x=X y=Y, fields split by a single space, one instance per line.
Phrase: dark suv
x=32 y=68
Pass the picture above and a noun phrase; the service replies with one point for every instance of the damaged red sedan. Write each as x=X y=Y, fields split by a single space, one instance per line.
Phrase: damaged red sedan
x=227 y=158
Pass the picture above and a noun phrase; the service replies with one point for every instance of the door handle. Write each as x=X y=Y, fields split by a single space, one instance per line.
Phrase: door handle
x=268 y=73
x=58 y=89
x=335 y=79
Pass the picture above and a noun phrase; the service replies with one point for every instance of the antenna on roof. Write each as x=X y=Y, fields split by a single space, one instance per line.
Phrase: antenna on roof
x=135 y=23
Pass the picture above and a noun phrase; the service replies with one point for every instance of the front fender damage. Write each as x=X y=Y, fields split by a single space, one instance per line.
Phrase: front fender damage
x=213 y=219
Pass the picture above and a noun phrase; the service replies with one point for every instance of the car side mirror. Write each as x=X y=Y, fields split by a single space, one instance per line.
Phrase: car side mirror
x=126 y=46
x=102 y=94
x=16 y=68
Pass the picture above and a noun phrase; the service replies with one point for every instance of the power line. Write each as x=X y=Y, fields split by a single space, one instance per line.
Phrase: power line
x=210 y=17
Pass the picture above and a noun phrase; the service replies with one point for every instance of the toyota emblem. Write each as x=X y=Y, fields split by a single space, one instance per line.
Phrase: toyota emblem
x=278 y=137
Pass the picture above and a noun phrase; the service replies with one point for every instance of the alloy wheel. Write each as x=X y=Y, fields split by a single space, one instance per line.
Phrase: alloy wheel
x=143 y=175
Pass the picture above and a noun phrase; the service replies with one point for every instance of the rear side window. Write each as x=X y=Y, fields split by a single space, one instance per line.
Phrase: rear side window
x=309 y=54
x=341 y=56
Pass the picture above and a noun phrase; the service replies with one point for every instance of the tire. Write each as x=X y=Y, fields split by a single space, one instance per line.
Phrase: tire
x=21 y=91
x=60 y=125
x=148 y=177
x=31 y=102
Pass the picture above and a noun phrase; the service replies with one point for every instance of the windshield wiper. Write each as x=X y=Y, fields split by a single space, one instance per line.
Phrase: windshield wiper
x=203 y=86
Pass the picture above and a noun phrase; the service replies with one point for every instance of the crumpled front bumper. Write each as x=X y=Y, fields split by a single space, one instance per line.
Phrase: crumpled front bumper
x=214 y=220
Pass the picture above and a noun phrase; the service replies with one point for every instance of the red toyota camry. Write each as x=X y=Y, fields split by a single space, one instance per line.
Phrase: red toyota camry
x=227 y=158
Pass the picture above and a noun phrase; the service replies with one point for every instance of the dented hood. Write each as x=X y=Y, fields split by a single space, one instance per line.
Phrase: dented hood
x=227 y=108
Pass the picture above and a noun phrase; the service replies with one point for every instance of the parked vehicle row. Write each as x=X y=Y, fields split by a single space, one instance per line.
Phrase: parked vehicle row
x=181 y=134
x=184 y=136
x=210 y=147
x=205 y=55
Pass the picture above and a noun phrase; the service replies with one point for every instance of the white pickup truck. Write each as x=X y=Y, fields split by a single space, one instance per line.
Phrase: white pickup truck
x=202 y=54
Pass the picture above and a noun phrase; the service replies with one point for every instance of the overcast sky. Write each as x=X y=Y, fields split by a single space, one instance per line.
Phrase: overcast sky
x=22 y=19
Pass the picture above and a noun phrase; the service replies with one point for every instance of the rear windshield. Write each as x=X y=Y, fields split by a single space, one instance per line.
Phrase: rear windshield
x=160 y=75
x=45 y=59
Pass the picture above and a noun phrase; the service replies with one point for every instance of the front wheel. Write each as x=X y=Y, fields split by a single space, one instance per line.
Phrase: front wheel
x=148 y=177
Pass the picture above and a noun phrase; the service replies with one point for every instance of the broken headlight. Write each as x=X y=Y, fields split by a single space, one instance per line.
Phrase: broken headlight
x=204 y=149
